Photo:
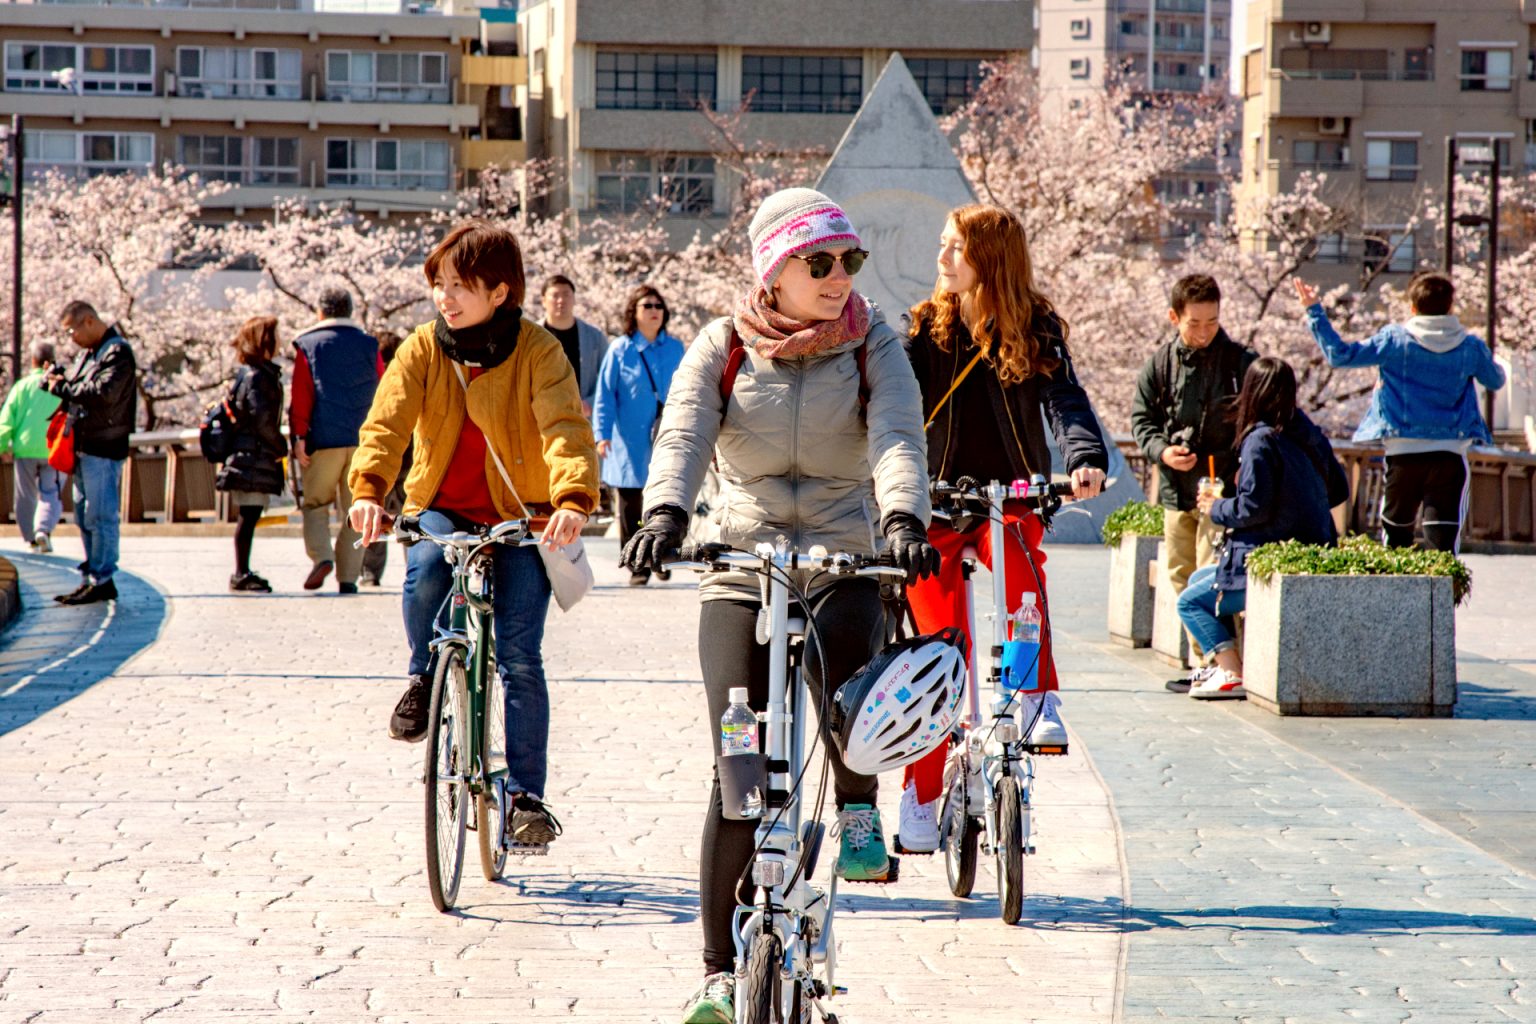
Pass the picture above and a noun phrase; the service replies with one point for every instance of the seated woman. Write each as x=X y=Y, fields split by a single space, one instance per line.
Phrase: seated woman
x=1288 y=480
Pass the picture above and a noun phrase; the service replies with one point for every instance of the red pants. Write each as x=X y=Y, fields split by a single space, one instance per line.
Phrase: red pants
x=939 y=601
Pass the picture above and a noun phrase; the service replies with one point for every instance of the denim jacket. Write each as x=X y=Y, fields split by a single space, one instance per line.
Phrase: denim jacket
x=1427 y=367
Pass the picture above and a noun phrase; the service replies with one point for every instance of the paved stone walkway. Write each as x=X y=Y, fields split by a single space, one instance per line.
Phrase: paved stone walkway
x=219 y=829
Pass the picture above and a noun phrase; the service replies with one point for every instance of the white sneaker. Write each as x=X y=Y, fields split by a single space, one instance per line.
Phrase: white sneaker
x=1219 y=685
x=1048 y=730
x=918 y=824
x=42 y=544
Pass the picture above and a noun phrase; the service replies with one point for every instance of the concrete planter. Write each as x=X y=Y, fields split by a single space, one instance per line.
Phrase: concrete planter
x=1169 y=640
x=1351 y=645
x=1130 y=590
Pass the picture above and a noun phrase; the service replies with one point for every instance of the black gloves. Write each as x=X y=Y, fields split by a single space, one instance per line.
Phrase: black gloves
x=660 y=538
x=908 y=544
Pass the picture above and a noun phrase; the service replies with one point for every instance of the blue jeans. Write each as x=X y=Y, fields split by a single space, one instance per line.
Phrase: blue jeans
x=98 y=508
x=1198 y=610
x=519 y=606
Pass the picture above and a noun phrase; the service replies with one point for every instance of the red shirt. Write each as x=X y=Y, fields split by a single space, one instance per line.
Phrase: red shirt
x=465 y=490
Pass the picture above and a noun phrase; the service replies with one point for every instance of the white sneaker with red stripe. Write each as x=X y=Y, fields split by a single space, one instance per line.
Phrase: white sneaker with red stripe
x=1219 y=685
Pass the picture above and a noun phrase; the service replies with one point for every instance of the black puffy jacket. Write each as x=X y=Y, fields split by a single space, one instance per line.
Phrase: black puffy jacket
x=256 y=399
x=101 y=391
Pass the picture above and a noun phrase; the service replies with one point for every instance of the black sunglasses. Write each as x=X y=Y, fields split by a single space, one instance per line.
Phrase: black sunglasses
x=820 y=263
x=651 y=305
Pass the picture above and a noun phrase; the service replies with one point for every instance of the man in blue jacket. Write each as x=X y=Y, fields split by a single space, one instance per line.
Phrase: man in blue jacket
x=1424 y=409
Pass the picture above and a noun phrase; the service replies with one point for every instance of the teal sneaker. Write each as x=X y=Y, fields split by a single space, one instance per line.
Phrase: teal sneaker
x=714 y=1002
x=863 y=857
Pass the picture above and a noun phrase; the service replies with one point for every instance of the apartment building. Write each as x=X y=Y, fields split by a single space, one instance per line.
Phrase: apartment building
x=614 y=88
x=376 y=102
x=1165 y=46
x=1369 y=92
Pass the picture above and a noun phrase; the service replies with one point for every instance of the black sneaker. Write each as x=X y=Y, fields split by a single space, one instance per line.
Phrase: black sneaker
x=346 y=588
x=1183 y=685
x=531 y=823
x=368 y=579
x=249 y=583
x=95 y=592
x=409 y=722
x=664 y=575
x=70 y=597
x=639 y=579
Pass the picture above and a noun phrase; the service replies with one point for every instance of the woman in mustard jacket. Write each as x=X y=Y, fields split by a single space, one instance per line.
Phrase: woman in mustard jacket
x=480 y=380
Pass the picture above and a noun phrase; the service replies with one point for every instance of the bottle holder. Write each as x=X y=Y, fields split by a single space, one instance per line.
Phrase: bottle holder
x=739 y=774
x=1021 y=665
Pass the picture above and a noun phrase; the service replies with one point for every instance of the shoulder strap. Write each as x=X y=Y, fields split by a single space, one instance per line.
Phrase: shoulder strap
x=458 y=372
x=736 y=352
x=955 y=386
x=861 y=355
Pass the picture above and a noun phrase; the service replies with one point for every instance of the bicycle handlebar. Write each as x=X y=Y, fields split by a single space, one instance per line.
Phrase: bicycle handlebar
x=966 y=488
x=715 y=557
x=513 y=531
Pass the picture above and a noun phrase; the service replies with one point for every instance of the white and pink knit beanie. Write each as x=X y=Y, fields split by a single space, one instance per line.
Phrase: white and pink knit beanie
x=793 y=222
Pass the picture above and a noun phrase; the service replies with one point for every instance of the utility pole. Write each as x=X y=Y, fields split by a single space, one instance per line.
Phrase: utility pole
x=18 y=166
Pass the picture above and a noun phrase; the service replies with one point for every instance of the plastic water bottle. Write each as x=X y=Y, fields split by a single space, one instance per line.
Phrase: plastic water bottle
x=738 y=726
x=1026 y=621
x=1021 y=657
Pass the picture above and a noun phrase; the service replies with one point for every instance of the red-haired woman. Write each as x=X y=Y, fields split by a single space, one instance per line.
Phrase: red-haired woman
x=990 y=355
x=254 y=470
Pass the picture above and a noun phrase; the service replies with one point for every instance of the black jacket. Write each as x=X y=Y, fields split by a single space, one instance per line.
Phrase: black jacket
x=1016 y=408
x=1287 y=487
x=101 y=394
x=256 y=399
x=1187 y=396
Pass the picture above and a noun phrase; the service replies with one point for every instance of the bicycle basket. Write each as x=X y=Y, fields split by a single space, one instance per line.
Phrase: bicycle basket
x=901 y=705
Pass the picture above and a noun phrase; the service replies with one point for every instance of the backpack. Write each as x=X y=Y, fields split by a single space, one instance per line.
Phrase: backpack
x=217 y=434
x=736 y=352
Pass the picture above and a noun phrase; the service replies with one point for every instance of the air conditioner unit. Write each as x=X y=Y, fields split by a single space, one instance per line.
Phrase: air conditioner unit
x=1316 y=32
x=1333 y=126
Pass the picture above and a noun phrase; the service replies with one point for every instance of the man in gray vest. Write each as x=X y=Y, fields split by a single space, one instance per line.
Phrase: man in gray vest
x=583 y=343
x=336 y=369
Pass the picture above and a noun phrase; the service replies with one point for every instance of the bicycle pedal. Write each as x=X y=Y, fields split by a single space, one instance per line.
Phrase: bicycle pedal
x=1047 y=749
x=527 y=849
x=1029 y=850
x=896 y=842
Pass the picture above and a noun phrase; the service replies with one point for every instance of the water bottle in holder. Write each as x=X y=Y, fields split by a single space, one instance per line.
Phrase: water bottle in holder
x=740 y=765
x=1021 y=653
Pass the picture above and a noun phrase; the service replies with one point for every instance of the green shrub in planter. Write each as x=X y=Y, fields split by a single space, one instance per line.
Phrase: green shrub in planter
x=1355 y=556
x=1133 y=519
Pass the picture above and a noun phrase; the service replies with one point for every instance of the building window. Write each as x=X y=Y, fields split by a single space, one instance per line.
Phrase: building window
x=1391 y=159
x=86 y=154
x=1080 y=28
x=1487 y=70
x=1416 y=65
x=630 y=183
x=947 y=82
x=1079 y=67
x=1318 y=155
x=1391 y=249
x=816 y=85
x=387 y=77
x=1530 y=145
x=39 y=67
x=386 y=163
x=655 y=81
x=242 y=160
x=1475 y=153
x=1330 y=249
x=225 y=72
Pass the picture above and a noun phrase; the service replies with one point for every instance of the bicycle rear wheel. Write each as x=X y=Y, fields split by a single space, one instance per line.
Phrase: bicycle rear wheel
x=493 y=756
x=447 y=793
x=1010 y=851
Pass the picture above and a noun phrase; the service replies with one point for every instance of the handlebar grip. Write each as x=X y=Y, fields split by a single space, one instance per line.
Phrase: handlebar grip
x=701 y=552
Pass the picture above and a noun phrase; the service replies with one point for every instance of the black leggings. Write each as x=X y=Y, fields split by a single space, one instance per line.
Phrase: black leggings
x=852 y=623
x=628 y=503
x=1437 y=481
x=245 y=533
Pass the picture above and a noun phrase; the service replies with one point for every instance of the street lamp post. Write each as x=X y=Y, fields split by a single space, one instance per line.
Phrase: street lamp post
x=18 y=166
x=1453 y=220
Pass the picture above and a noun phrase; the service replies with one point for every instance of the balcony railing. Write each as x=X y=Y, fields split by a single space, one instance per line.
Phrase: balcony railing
x=1355 y=75
x=306 y=6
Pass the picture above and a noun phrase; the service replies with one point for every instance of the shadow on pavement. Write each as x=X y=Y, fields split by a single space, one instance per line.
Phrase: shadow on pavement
x=1509 y=703
x=52 y=654
x=1072 y=914
x=608 y=901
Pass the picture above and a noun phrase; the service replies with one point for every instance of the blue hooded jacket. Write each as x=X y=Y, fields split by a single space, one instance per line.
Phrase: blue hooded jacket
x=627 y=407
x=1427 y=368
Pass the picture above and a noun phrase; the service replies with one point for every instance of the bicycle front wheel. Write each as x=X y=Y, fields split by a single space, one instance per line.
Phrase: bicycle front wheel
x=760 y=996
x=447 y=789
x=493 y=756
x=1010 y=851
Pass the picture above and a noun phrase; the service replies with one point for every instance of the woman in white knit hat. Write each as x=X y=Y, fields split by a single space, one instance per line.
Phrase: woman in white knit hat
x=807 y=402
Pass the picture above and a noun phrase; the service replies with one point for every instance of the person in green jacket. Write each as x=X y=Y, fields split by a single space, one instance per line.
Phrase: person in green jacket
x=24 y=437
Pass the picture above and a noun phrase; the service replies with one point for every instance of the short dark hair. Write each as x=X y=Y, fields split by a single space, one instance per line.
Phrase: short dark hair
x=644 y=291
x=334 y=303
x=76 y=309
x=42 y=353
x=1268 y=395
x=1192 y=288
x=483 y=254
x=389 y=343
x=558 y=279
x=256 y=341
x=1431 y=294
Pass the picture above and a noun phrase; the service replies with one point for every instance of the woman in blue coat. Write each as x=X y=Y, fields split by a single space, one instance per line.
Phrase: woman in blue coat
x=1288 y=481
x=631 y=389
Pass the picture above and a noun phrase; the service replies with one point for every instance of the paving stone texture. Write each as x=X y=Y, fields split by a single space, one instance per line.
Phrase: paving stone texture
x=202 y=819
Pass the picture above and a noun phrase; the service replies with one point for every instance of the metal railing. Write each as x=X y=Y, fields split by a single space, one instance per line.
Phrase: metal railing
x=1352 y=75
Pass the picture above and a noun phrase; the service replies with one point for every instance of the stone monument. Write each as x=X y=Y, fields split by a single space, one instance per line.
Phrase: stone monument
x=898 y=177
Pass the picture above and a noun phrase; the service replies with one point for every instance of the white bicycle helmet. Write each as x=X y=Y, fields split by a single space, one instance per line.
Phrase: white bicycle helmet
x=901 y=705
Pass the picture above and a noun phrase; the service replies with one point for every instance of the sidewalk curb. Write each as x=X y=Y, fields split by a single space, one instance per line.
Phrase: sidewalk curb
x=10 y=593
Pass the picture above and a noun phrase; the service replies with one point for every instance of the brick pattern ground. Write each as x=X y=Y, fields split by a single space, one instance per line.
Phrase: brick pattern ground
x=220 y=829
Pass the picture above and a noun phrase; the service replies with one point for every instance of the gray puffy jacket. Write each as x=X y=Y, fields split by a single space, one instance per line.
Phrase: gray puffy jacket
x=797 y=456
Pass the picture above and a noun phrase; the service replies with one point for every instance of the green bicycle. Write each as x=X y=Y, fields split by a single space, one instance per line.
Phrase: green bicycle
x=466 y=758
